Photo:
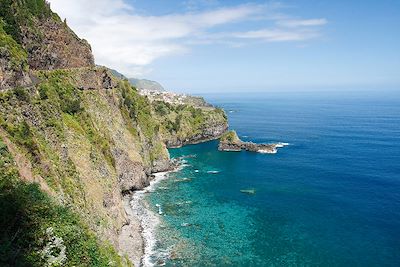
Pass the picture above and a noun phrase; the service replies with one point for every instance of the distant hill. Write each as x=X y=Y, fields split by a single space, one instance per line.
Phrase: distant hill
x=118 y=74
x=143 y=84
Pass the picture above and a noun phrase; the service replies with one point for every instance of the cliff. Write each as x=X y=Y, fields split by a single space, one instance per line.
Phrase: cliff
x=75 y=142
x=31 y=34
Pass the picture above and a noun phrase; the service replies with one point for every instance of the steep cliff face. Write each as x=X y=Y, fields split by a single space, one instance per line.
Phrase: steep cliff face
x=53 y=45
x=86 y=148
x=13 y=62
x=76 y=141
x=187 y=124
x=31 y=34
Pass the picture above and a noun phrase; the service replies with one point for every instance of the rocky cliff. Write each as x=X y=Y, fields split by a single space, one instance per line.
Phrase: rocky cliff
x=33 y=35
x=75 y=142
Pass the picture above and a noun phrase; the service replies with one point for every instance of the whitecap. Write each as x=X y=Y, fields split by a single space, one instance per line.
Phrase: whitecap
x=159 y=209
x=264 y=151
x=149 y=220
x=280 y=144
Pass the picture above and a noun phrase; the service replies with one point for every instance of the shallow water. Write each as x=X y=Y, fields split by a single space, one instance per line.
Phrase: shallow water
x=330 y=198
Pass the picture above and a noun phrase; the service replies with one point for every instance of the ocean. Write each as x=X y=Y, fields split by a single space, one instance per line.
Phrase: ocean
x=330 y=198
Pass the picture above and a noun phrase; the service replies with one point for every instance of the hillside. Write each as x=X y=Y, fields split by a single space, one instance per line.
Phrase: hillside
x=143 y=84
x=75 y=142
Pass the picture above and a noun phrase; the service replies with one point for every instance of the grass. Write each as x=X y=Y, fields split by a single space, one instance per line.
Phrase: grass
x=9 y=48
x=27 y=213
x=230 y=136
x=22 y=12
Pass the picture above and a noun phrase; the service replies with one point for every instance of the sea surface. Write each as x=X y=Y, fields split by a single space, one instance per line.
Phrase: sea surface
x=330 y=198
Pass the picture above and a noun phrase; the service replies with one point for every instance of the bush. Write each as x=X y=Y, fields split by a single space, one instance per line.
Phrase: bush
x=22 y=94
x=22 y=135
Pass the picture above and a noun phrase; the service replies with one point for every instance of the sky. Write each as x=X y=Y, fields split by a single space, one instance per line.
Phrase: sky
x=228 y=46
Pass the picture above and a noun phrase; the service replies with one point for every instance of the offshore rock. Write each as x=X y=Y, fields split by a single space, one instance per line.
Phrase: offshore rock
x=231 y=142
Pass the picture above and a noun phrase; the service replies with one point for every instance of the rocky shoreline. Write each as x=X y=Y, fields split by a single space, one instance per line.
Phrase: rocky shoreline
x=230 y=142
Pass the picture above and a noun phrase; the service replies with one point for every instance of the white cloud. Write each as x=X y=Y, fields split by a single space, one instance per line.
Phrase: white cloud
x=125 y=40
x=302 y=22
x=276 y=35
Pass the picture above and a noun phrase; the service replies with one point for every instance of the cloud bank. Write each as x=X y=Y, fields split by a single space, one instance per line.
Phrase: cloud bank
x=124 y=39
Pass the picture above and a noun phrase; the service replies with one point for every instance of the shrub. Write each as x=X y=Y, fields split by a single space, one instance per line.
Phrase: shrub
x=22 y=94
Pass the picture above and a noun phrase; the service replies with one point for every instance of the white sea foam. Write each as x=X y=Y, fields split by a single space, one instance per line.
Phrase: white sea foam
x=279 y=145
x=264 y=151
x=148 y=219
x=213 y=172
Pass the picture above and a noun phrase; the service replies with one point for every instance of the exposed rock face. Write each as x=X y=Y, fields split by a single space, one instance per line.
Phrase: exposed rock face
x=10 y=77
x=13 y=63
x=94 y=78
x=53 y=45
x=131 y=175
x=210 y=132
x=37 y=42
x=231 y=142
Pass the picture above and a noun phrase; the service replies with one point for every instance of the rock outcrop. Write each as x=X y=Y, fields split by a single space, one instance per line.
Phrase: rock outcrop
x=51 y=44
x=31 y=35
x=209 y=132
x=231 y=142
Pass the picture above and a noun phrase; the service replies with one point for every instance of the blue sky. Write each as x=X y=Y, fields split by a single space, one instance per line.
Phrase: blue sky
x=214 y=46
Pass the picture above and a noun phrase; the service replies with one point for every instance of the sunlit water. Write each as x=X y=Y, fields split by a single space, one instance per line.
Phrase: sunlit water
x=330 y=198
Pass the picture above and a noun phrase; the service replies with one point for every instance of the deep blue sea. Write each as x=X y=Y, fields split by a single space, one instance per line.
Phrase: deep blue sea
x=330 y=198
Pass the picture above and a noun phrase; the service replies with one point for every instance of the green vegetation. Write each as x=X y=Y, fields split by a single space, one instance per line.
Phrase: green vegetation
x=21 y=12
x=139 y=109
x=9 y=48
x=36 y=231
x=185 y=121
x=59 y=88
x=68 y=137
x=230 y=136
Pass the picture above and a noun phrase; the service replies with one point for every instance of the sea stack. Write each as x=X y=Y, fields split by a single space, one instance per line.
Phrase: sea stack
x=231 y=142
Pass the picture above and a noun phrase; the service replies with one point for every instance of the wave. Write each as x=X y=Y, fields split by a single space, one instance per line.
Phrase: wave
x=182 y=180
x=149 y=220
x=280 y=144
x=267 y=151
x=213 y=172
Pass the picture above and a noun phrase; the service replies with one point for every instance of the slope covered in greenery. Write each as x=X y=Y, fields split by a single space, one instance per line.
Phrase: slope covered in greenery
x=76 y=141
x=37 y=231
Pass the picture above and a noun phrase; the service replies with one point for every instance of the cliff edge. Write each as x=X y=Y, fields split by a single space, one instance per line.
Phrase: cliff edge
x=75 y=142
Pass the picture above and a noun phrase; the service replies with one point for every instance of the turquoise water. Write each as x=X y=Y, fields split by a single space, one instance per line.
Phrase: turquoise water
x=330 y=198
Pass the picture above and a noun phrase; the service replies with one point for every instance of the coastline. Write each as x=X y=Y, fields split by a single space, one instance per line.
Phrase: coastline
x=147 y=219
